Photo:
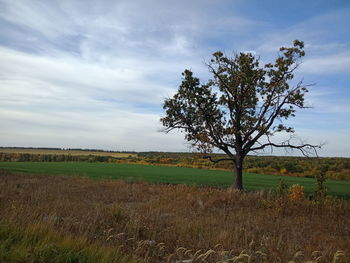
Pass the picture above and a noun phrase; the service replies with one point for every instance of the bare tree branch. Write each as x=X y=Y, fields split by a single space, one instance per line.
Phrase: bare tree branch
x=305 y=149
x=218 y=160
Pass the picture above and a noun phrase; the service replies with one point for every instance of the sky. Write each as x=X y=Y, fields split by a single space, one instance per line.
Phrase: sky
x=94 y=74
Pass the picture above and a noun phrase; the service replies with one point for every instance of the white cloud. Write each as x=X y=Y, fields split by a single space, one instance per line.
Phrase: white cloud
x=37 y=15
x=335 y=141
x=68 y=102
x=335 y=63
x=70 y=78
x=322 y=50
x=117 y=130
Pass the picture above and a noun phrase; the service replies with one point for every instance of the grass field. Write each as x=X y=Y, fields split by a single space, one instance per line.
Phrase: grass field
x=68 y=152
x=47 y=218
x=172 y=175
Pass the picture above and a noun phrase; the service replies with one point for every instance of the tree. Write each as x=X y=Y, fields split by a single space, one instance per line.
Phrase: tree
x=241 y=107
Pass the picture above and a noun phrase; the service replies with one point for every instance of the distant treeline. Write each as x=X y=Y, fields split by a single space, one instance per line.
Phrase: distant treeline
x=333 y=168
x=30 y=157
x=64 y=149
x=32 y=148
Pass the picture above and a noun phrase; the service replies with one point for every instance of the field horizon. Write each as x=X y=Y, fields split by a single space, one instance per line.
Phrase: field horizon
x=125 y=153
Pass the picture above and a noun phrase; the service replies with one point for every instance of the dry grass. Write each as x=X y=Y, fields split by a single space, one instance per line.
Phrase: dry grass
x=40 y=244
x=167 y=223
x=67 y=152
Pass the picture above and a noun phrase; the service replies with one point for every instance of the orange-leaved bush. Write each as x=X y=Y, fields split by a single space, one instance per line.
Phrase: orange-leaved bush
x=296 y=192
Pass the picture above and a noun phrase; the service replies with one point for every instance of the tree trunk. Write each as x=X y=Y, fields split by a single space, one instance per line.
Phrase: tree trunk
x=238 y=169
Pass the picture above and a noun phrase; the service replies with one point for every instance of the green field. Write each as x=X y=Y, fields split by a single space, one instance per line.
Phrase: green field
x=173 y=175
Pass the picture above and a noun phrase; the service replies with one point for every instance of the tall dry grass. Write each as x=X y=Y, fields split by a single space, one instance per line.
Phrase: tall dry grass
x=174 y=223
x=39 y=244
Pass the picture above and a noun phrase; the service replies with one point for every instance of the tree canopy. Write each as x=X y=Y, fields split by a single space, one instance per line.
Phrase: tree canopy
x=241 y=107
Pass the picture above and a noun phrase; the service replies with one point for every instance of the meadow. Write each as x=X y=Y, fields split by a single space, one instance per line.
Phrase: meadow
x=170 y=175
x=155 y=210
x=46 y=218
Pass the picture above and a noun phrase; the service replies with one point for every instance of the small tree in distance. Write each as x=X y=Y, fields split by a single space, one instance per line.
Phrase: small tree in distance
x=241 y=107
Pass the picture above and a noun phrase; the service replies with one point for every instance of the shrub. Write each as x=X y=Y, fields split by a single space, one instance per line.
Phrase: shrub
x=296 y=192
